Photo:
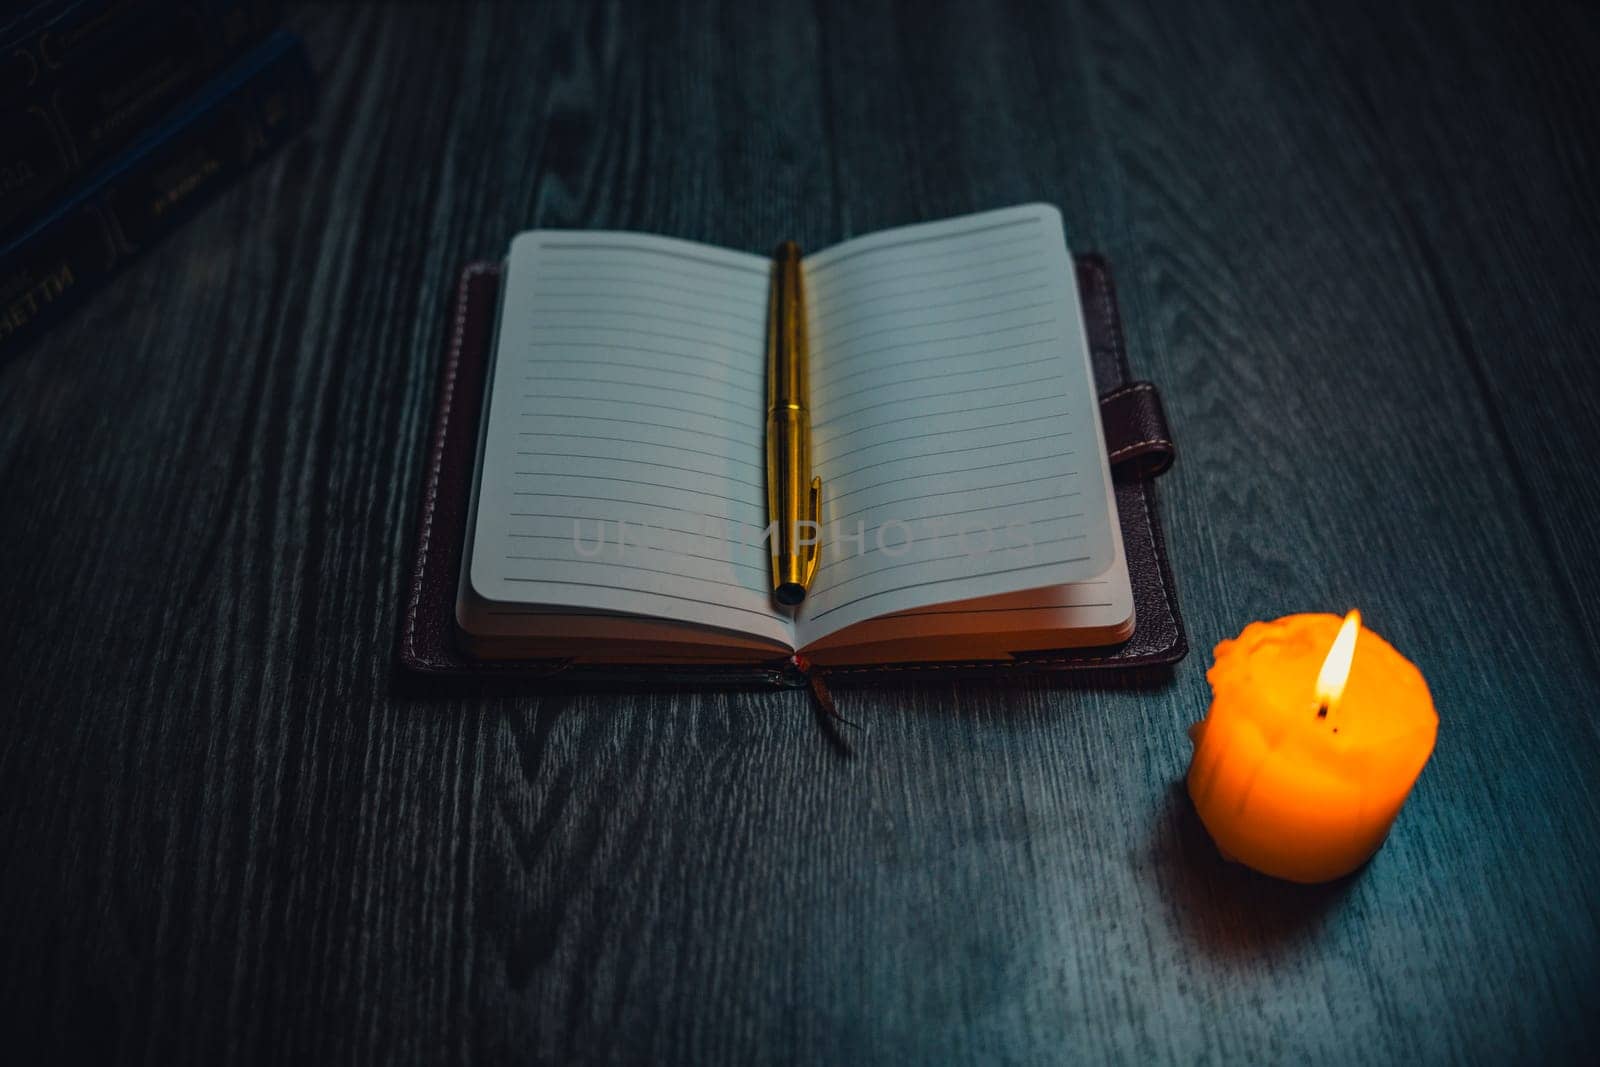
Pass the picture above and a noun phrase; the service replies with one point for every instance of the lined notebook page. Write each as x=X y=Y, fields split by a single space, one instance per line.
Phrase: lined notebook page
x=1099 y=611
x=623 y=456
x=954 y=418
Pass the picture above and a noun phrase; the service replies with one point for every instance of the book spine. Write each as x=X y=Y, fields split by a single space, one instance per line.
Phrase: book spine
x=149 y=191
x=33 y=165
x=100 y=73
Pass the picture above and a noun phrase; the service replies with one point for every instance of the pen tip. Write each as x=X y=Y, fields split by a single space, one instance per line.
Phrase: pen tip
x=789 y=594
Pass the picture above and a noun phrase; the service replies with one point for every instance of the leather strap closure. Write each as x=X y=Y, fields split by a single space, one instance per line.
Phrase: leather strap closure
x=1138 y=443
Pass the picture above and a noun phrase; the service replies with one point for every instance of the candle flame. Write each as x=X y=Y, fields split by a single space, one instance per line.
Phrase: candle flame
x=1336 y=668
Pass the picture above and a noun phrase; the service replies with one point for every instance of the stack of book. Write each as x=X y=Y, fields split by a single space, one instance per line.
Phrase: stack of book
x=119 y=118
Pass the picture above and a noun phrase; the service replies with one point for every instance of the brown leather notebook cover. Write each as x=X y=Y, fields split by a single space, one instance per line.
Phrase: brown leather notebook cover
x=1137 y=442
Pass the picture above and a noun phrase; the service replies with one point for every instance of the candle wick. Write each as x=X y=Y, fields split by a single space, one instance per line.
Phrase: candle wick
x=1322 y=712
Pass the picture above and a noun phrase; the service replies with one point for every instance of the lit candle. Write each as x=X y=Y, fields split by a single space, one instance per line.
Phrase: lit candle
x=1315 y=734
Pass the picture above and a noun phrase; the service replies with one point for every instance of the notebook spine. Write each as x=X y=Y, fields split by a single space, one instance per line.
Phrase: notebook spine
x=153 y=186
x=82 y=80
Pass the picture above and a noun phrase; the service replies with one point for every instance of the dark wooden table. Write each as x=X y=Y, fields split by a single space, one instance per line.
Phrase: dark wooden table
x=1358 y=248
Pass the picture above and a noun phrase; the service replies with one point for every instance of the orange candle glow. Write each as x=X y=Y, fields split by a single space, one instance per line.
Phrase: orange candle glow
x=1316 y=731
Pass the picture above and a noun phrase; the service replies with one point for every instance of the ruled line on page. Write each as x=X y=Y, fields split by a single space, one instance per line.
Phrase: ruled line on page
x=554 y=515
x=719 y=604
x=834 y=401
x=545 y=317
x=837 y=496
x=586 y=320
x=634 y=461
x=957 y=534
x=920 y=416
x=700 y=493
x=625 y=403
x=578 y=380
x=863 y=575
x=850 y=356
x=875 y=291
x=614 y=499
x=651 y=255
x=894 y=255
x=1046 y=611
x=588 y=287
x=764 y=566
x=943 y=304
x=593 y=321
x=881 y=302
x=751 y=560
x=952 y=233
x=923 y=361
x=637 y=503
x=880 y=285
x=744 y=272
x=640 y=567
x=899 y=328
x=845 y=474
x=982 y=508
x=1026 y=506
x=651 y=248
x=635 y=441
x=558 y=300
x=972 y=391
x=613 y=346
x=634 y=521
x=713 y=581
x=930 y=582
x=675 y=371
x=986 y=488
x=875 y=445
x=660 y=335
x=747 y=443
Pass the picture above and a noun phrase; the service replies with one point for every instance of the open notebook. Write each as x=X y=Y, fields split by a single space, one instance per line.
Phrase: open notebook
x=967 y=508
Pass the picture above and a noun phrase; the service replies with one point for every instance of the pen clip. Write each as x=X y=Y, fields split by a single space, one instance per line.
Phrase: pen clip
x=814 y=550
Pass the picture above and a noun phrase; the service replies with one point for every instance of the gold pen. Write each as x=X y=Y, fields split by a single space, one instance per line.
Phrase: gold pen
x=794 y=497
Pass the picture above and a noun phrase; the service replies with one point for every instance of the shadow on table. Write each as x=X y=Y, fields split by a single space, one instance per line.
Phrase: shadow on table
x=406 y=685
x=849 y=702
x=1228 y=909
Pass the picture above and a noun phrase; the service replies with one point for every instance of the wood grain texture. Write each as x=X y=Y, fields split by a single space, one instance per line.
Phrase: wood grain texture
x=1356 y=246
